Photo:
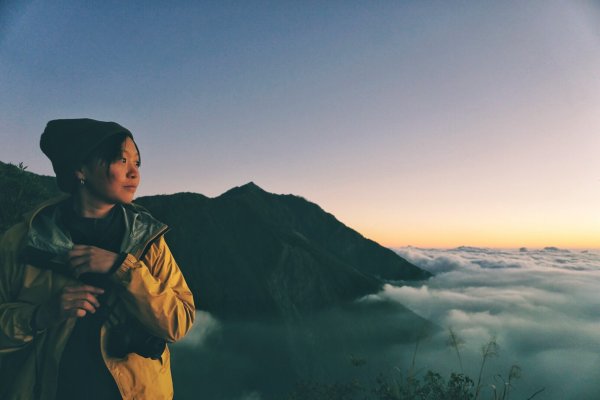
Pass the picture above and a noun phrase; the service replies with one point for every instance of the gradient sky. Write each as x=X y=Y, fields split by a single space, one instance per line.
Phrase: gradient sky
x=426 y=123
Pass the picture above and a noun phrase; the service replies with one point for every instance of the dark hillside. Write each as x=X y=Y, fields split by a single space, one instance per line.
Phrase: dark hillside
x=21 y=191
x=249 y=251
x=239 y=263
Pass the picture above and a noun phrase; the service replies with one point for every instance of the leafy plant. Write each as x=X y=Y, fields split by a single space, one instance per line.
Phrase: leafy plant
x=401 y=385
x=456 y=342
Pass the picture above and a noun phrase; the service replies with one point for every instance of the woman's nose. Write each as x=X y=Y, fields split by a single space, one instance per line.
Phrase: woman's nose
x=133 y=171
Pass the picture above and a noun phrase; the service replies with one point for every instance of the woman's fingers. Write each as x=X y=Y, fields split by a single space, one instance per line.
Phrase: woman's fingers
x=79 y=254
x=73 y=305
x=84 y=305
x=80 y=265
x=90 y=298
x=79 y=249
x=77 y=301
x=77 y=312
x=83 y=288
x=79 y=260
x=84 y=259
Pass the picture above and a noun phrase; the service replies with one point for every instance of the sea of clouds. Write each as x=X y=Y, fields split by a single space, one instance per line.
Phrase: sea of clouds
x=541 y=306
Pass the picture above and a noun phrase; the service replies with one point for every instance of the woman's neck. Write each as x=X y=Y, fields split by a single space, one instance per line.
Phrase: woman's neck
x=88 y=207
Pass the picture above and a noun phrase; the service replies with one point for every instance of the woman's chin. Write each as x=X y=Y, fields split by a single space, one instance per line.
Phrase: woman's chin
x=126 y=199
x=127 y=196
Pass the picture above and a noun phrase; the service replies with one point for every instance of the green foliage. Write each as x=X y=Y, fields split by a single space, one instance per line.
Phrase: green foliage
x=456 y=342
x=488 y=350
x=20 y=192
x=430 y=386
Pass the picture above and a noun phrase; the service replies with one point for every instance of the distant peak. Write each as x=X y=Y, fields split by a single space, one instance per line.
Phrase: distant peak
x=249 y=187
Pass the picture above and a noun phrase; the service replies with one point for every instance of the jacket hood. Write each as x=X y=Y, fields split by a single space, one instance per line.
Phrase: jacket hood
x=48 y=234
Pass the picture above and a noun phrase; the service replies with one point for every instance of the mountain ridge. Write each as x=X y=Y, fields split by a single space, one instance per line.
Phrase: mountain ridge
x=249 y=251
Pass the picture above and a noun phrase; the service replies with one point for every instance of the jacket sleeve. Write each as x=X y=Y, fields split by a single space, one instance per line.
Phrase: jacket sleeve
x=15 y=316
x=156 y=292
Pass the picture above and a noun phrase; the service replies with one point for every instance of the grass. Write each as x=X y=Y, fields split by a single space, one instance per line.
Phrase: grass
x=409 y=385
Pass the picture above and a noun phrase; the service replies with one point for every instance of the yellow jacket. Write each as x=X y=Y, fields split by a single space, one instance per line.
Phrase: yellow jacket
x=151 y=289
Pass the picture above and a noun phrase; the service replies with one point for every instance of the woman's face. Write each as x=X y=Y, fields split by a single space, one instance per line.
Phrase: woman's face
x=123 y=177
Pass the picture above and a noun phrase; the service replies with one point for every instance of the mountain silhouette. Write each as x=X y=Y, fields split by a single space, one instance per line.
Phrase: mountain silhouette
x=257 y=252
x=249 y=252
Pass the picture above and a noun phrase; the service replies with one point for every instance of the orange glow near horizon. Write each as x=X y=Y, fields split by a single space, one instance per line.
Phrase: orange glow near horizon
x=435 y=229
x=485 y=238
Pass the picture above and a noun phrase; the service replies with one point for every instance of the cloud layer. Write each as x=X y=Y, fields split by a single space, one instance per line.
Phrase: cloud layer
x=542 y=306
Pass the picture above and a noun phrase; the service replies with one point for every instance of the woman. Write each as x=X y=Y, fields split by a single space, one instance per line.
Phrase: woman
x=89 y=291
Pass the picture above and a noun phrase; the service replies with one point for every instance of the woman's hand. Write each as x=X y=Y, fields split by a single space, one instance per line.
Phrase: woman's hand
x=84 y=259
x=72 y=301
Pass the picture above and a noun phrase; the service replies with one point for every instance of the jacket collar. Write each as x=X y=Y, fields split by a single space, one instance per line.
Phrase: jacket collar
x=48 y=234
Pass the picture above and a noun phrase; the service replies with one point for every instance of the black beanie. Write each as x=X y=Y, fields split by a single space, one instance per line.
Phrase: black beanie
x=68 y=142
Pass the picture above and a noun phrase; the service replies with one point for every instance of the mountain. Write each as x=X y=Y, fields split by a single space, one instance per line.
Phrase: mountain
x=276 y=254
x=249 y=252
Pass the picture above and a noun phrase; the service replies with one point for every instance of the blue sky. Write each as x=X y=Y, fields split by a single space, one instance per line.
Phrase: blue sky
x=428 y=123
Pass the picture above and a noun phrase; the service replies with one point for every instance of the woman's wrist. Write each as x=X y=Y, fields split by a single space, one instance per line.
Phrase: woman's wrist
x=119 y=260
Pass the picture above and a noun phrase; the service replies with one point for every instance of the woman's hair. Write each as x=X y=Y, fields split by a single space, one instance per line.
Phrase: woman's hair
x=107 y=152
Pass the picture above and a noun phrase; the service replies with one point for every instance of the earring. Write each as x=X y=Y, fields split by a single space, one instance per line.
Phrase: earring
x=82 y=181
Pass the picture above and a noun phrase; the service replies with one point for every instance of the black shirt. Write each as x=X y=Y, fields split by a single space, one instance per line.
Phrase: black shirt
x=82 y=372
